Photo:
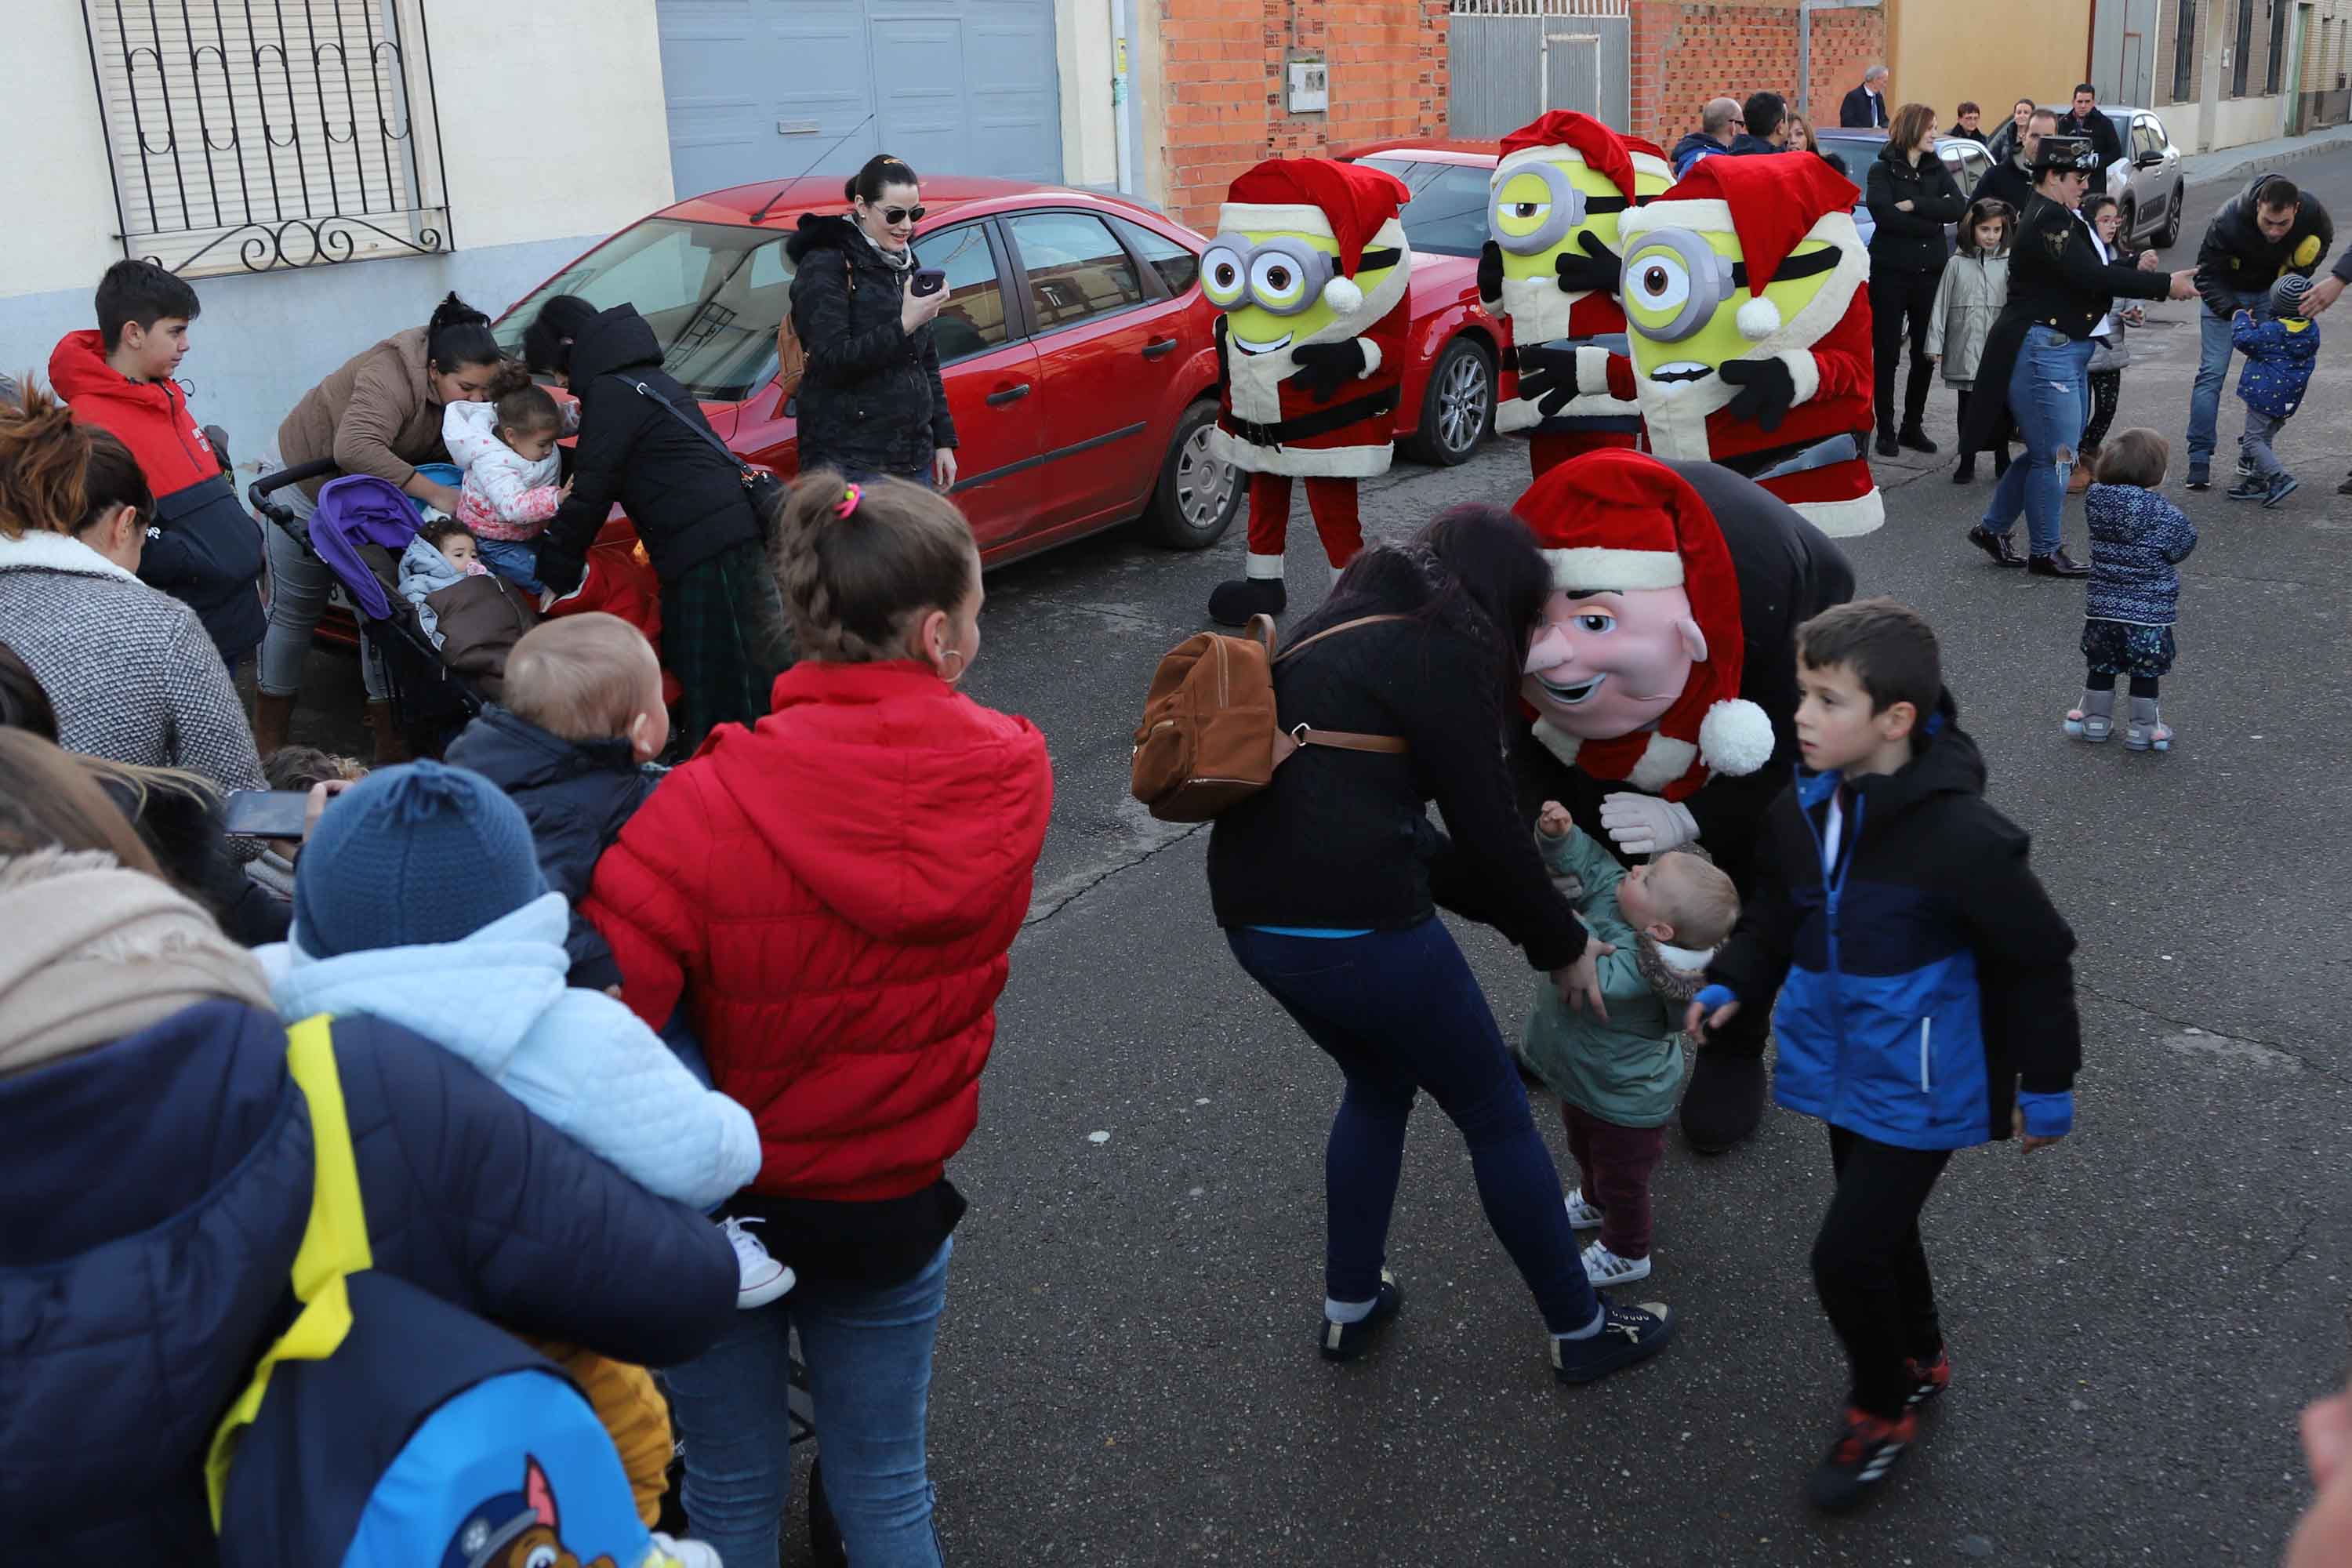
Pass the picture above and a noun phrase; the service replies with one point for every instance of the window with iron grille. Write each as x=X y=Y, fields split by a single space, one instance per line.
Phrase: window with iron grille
x=251 y=135
x=2240 y=54
x=2278 y=46
x=2184 y=54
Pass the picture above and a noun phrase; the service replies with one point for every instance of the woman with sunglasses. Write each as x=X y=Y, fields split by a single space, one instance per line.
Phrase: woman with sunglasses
x=871 y=401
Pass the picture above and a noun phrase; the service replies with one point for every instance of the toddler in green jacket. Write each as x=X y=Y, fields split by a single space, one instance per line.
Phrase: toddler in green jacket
x=1618 y=1077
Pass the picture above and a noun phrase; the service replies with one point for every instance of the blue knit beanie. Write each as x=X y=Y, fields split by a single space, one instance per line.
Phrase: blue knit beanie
x=410 y=856
x=2287 y=294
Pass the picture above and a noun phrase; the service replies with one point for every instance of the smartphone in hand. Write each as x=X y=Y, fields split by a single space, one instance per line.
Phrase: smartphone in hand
x=265 y=813
x=928 y=280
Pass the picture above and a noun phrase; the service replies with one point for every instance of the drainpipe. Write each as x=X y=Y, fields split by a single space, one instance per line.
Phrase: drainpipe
x=1122 y=92
x=1805 y=9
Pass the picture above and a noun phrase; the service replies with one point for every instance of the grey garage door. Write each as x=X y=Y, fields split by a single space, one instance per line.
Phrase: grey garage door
x=759 y=89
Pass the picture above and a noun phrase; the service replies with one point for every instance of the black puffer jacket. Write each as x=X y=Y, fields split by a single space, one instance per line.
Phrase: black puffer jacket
x=871 y=399
x=686 y=499
x=1911 y=241
x=2235 y=257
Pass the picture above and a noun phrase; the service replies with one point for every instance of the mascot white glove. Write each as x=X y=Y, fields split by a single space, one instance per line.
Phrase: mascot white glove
x=1644 y=825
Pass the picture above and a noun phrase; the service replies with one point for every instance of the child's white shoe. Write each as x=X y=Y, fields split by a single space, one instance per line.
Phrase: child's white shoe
x=1603 y=1266
x=763 y=1279
x=1582 y=1214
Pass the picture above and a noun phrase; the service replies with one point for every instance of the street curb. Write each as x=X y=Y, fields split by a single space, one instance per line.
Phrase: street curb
x=2247 y=169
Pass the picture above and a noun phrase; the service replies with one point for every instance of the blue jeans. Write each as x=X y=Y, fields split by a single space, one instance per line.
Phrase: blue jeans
x=515 y=559
x=2212 y=371
x=1400 y=1012
x=869 y=1364
x=2049 y=392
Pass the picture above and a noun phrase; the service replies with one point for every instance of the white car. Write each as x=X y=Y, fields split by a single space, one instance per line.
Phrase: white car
x=2145 y=181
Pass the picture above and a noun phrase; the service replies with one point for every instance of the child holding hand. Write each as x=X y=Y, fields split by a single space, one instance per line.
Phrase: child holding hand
x=507 y=446
x=1619 y=1077
x=2279 y=346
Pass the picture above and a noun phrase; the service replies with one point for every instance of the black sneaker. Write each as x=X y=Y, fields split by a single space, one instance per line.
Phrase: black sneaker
x=2201 y=476
x=1866 y=1449
x=1888 y=447
x=1628 y=1334
x=2279 y=489
x=2250 y=488
x=1346 y=1341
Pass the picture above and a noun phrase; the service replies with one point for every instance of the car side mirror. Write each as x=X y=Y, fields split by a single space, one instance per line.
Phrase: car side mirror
x=2147 y=160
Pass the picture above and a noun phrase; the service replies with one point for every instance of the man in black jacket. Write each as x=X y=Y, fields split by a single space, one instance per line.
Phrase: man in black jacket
x=2268 y=230
x=2086 y=119
x=1865 y=107
x=1765 y=116
x=2012 y=181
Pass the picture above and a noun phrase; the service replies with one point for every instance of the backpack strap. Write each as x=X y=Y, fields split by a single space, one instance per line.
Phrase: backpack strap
x=334 y=1244
x=1341 y=740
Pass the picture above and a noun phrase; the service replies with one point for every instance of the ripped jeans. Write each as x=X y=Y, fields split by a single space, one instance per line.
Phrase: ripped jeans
x=2048 y=396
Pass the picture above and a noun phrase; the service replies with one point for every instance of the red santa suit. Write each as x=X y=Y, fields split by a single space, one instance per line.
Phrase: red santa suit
x=1815 y=458
x=1272 y=423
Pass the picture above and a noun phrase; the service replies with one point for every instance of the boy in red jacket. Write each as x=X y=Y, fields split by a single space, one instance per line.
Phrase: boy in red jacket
x=202 y=548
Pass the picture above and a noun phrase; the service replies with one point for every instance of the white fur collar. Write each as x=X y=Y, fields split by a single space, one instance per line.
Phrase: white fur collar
x=41 y=550
x=1695 y=959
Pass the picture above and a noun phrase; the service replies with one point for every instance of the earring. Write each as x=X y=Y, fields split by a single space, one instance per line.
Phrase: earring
x=958 y=655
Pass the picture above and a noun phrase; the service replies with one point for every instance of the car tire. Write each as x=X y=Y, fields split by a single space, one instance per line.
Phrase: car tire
x=2127 y=229
x=1457 y=408
x=2169 y=235
x=1196 y=498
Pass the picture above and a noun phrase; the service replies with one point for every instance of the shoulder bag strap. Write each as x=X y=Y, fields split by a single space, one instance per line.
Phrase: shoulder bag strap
x=671 y=409
x=1344 y=740
x=334 y=1245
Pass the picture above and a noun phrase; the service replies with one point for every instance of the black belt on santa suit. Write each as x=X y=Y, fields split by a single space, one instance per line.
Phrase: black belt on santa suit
x=1307 y=426
x=1799 y=457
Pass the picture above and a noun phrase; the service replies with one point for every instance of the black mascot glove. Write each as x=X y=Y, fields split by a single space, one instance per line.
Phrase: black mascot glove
x=1324 y=368
x=1600 y=270
x=1490 y=275
x=1767 y=391
x=1548 y=377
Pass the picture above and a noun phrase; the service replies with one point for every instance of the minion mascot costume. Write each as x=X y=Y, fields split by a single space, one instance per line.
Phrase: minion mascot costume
x=1563 y=186
x=1308 y=269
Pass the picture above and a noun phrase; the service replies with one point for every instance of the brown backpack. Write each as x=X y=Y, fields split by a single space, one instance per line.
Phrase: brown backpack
x=1210 y=736
x=792 y=359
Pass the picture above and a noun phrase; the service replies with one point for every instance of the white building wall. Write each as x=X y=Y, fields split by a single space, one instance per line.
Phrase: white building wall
x=1085 y=33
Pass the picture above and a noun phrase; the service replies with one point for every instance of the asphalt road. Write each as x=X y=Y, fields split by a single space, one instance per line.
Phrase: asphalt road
x=1125 y=1373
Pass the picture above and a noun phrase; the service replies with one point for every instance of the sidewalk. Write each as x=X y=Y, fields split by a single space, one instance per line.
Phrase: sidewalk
x=2259 y=157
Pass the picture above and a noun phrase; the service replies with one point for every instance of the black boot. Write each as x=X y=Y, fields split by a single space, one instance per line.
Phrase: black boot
x=2000 y=461
x=1917 y=439
x=1965 y=473
x=1887 y=448
x=1233 y=603
x=1725 y=1100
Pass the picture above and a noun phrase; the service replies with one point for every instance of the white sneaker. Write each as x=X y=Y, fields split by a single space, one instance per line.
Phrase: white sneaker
x=1603 y=1266
x=763 y=1279
x=1582 y=1214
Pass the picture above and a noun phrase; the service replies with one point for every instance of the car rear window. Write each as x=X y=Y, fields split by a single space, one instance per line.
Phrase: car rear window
x=1447 y=214
x=713 y=293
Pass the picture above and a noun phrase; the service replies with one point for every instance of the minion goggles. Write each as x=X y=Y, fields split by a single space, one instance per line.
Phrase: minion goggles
x=1281 y=277
x=1567 y=209
x=1672 y=269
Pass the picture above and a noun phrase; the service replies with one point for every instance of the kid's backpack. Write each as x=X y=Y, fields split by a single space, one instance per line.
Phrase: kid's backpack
x=792 y=359
x=1210 y=735
x=387 y=1428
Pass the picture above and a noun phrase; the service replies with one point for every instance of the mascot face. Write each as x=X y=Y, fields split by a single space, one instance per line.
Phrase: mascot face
x=1541 y=211
x=1607 y=664
x=1682 y=301
x=1271 y=286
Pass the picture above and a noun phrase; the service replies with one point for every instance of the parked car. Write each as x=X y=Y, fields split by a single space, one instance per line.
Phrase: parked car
x=2145 y=181
x=1967 y=161
x=1076 y=346
x=1447 y=406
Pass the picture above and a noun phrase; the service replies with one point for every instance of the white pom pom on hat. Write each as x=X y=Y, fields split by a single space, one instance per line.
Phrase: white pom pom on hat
x=1735 y=737
x=1759 y=319
x=1344 y=296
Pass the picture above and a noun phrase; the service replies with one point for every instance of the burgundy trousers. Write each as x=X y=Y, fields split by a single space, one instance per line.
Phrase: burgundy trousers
x=1615 y=1163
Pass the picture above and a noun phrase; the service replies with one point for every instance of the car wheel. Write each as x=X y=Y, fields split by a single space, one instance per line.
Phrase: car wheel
x=1197 y=493
x=2128 y=226
x=2170 y=234
x=1457 y=409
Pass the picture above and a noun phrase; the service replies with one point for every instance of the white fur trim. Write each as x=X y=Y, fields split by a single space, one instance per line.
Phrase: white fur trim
x=1759 y=319
x=1689 y=960
x=1707 y=215
x=1343 y=296
x=1663 y=760
x=1845 y=518
x=1592 y=369
x=1372 y=358
x=1804 y=370
x=1363 y=462
x=1262 y=568
x=1275 y=217
x=1650 y=164
x=38 y=550
x=1735 y=737
x=1549 y=152
x=1539 y=309
x=1557 y=740
x=1516 y=414
x=1590 y=567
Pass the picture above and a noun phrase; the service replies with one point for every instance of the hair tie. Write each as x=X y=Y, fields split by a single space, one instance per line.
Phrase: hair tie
x=850 y=496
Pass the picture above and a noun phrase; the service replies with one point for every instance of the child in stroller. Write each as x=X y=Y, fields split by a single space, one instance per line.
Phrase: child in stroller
x=472 y=615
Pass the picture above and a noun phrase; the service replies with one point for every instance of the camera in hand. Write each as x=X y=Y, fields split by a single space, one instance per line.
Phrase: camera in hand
x=928 y=280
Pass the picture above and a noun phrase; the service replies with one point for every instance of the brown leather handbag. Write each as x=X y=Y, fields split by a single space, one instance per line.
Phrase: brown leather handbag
x=1210 y=735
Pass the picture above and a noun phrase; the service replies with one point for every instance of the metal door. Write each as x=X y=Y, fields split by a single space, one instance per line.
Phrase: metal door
x=1509 y=61
x=2123 y=53
x=765 y=90
x=1571 y=72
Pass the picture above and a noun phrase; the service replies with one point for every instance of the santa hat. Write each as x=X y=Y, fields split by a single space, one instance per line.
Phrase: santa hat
x=1773 y=203
x=1621 y=520
x=1348 y=202
x=1614 y=157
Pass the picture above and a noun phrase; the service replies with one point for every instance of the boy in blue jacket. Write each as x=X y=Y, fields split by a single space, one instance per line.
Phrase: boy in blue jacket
x=2280 y=347
x=1922 y=974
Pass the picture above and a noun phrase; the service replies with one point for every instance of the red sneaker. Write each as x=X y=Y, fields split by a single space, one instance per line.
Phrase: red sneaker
x=1928 y=1378
x=1866 y=1449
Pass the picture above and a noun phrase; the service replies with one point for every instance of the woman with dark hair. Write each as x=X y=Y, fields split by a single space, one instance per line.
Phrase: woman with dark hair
x=871 y=401
x=723 y=633
x=1912 y=196
x=381 y=415
x=1328 y=882
x=2003 y=143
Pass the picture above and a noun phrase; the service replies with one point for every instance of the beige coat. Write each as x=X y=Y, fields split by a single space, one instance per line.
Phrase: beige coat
x=377 y=415
x=1968 y=301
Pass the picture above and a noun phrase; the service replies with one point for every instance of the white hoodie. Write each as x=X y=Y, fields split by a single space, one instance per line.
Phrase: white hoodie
x=505 y=495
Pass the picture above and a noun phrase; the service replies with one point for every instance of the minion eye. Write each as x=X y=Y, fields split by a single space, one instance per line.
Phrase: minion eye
x=1220 y=276
x=1274 y=279
x=1658 y=283
x=1528 y=212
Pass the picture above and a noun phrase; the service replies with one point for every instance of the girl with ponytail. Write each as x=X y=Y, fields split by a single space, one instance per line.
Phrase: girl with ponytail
x=843 y=880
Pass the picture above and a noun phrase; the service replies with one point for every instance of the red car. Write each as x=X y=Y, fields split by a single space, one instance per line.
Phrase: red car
x=1075 y=347
x=1447 y=405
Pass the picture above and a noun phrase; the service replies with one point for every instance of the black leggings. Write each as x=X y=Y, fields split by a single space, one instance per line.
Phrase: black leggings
x=1894 y=295
x=2106 y=385
x=1871 y=1268
x=2105 y=680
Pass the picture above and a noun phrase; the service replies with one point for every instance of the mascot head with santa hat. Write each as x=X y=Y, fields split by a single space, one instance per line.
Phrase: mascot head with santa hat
x=1563 y=186
x=1308 y=250
x=1635 y=671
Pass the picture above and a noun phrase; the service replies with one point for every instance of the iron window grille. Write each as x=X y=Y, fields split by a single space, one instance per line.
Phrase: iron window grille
x=2240 y=58
x=254 y=135
x=2278 y=47
x=2184 y=54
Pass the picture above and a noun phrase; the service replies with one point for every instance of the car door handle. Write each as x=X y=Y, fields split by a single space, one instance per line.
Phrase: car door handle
x=1159 y=349
x=1005 y=395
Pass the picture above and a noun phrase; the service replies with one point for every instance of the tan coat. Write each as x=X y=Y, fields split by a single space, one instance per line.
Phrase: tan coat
x=377 y=416
x=633 y=1413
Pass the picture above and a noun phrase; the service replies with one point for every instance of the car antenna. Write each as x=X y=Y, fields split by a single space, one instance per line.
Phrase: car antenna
x=803 y=174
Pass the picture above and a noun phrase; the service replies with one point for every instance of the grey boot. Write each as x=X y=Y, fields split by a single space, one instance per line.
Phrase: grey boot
x=2147 y=731
x=2093 y=719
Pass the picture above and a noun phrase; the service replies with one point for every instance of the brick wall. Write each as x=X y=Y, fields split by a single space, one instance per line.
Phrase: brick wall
x=1685 y=55
x=1222 y=80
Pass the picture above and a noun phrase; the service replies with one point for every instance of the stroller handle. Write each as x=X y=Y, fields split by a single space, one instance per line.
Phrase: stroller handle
x=258 y=493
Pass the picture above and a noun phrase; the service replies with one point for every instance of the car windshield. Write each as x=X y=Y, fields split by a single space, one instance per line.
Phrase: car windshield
x=1447 y=215
x=713 y=293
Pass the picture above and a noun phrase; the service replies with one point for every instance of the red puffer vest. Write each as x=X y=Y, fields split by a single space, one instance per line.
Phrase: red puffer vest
x=835 y=892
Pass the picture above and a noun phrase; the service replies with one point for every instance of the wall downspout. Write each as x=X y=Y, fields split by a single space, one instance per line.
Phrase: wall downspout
x=1122 y=91
x=1805 y=9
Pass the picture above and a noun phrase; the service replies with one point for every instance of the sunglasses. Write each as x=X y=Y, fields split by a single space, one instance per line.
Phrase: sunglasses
x=901 y=215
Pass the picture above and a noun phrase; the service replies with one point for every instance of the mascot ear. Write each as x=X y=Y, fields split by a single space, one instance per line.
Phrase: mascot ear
x=1694 y=639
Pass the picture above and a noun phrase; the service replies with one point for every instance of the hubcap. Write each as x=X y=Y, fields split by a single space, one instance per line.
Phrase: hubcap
x=1462 y=404
x=1203 y=485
